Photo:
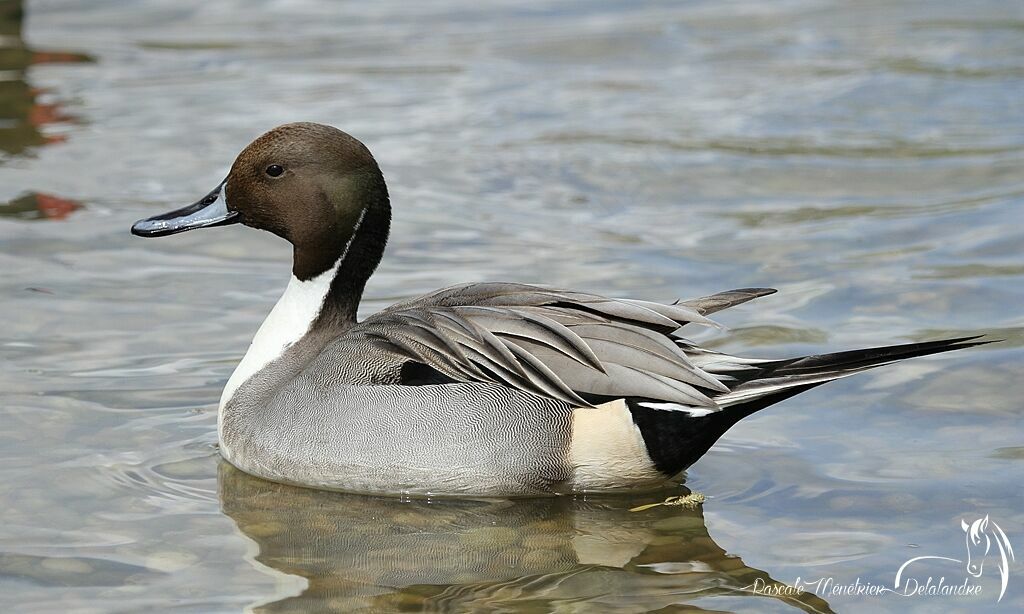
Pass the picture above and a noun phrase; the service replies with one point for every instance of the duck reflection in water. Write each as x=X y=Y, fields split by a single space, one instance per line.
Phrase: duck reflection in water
x=389 y=554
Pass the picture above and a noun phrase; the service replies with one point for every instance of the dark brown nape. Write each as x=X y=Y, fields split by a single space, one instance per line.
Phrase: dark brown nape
x=362 y=253
x=357 y=234
x=330 y=203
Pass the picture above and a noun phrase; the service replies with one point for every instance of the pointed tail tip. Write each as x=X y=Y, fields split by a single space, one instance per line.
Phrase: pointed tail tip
x=959 y=343
x=867 y=358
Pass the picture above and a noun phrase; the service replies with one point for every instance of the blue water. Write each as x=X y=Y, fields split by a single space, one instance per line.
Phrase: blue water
x=866 y=158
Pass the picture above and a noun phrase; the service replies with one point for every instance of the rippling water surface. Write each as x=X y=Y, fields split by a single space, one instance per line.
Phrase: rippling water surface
x=865 y=158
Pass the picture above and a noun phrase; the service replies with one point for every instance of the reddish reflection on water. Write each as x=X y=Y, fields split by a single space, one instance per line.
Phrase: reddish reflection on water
x=25 y=110
x=39 y=206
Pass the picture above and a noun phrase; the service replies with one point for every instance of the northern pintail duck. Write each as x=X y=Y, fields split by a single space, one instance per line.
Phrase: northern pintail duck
x=481 y=388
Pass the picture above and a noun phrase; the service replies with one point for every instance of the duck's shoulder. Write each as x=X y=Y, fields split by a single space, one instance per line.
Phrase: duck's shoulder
x=370 y=352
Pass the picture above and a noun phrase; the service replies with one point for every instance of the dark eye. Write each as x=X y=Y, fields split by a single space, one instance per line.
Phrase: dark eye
x=275 y=170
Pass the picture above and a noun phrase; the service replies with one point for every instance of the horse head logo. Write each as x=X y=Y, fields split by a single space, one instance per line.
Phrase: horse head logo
x=980 y=536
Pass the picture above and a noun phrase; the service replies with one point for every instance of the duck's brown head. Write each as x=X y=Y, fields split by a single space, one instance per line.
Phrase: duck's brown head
x=311 y=184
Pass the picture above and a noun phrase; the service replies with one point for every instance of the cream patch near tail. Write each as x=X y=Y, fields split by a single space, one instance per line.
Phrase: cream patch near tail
x=607 y=449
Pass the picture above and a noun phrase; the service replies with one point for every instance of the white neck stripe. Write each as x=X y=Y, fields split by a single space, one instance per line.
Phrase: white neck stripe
x=351 y=238
x=288 y=321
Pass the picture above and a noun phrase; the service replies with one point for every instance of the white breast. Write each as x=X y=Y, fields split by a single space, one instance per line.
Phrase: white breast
x=287 y=323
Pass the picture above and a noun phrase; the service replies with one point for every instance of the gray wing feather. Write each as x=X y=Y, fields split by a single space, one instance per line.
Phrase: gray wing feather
x=724 y=300
x=619 y=380
x=522 y=323
x=506 y=294
x=568 y=346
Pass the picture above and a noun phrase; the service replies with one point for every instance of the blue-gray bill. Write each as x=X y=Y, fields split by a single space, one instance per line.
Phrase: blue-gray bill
x=211 y=210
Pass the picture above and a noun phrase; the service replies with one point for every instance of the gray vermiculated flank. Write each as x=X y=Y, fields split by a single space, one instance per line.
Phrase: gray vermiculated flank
x=334 y=424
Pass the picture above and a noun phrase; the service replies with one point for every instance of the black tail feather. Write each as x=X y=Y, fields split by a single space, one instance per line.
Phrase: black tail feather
x=872 y=357
x=772 y=376
x=676 y=439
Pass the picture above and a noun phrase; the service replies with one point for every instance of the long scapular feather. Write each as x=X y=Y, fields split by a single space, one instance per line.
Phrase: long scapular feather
x=724 y=300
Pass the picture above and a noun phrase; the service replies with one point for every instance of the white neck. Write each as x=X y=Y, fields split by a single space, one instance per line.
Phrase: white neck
x=288 y=322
